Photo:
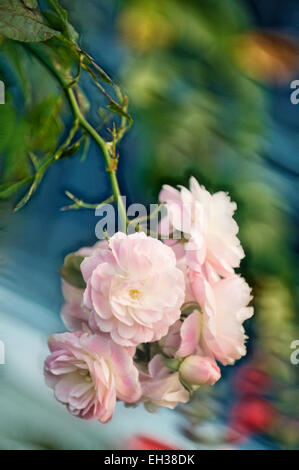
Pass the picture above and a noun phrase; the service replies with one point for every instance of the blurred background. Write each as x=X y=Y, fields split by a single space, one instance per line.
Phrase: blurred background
x=209 y=88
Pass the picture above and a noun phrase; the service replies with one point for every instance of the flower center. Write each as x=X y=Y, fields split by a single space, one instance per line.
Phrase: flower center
x=134 y=293
x=85 y=373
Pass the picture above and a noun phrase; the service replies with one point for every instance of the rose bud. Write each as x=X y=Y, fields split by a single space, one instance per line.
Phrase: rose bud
x=199 y=370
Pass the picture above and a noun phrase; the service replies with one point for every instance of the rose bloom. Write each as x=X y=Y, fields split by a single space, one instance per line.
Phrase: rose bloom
x=73 y=314
x=207 y=219
x=134 y=289
x=161 y=387
x=88 y=372
x=217 y=328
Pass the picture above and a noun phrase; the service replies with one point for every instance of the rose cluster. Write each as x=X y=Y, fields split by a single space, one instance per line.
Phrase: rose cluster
x=152 y=318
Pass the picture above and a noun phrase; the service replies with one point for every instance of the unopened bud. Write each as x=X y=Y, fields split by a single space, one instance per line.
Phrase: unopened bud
x=199 y=370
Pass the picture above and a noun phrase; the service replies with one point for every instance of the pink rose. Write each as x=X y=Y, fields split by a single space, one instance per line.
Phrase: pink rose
x=207 y=219
x=161 y=387
x=134 y=289
x=199 y=370
x=89 y=250
x=88 y=372
x=172 y=341
x=73 y=314
x=217 y=328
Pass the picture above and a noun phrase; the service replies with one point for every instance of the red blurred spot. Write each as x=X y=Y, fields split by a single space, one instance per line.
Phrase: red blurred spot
x=249 y=416
x=142 y=442
x=251 y=381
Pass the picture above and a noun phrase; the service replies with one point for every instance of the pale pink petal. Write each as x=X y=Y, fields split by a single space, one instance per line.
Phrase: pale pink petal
x=128 y=289
x=88 y=372
x=190 y=334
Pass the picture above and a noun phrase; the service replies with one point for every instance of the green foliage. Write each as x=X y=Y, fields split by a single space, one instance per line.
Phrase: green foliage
x=13 y=145
x=45 y=124
x=23 y=21
x=202 y=115
x=71 y=272
x=58 y=19
x=40 y=169
x=37 y=131
x=14 y=55
x=172 y=364
x=205 y=116
x=8 y=189
x=116 y=108
x=7 y=125
x=29 y=139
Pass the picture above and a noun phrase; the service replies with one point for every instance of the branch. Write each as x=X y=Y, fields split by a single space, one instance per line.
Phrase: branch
x=79 y=204
x=85 y=125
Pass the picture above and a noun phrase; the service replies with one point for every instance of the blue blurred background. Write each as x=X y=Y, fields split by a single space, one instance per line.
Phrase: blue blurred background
x=209 y=87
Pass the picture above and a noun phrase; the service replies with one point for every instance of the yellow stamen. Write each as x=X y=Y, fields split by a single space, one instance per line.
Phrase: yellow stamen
x=134 y=293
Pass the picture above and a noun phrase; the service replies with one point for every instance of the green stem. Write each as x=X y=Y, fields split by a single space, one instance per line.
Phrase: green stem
x=102 y=145
x=85 y=125
x=79 y=204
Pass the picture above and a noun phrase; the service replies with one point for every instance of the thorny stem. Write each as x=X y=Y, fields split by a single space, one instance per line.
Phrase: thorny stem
x=68 y=140
x=41 y=169
x=78 y=116
x=79 y=204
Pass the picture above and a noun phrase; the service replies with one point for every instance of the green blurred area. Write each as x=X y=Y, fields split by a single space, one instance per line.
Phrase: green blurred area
x=201 y=78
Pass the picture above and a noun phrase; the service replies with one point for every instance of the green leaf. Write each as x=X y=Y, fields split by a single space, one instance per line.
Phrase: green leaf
x=14 y=52
x=7 y=125
x=15 y=168
x=116 y=108
x=30 y=3
x=58 y=19
x=34 y=160
x=104 y=76
x=45 y=124
x=69 y=151
x=61 y=53
x=171 y=363
x=16 y=164
x=71 y=272
x=21 y=20
x=9 y=188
